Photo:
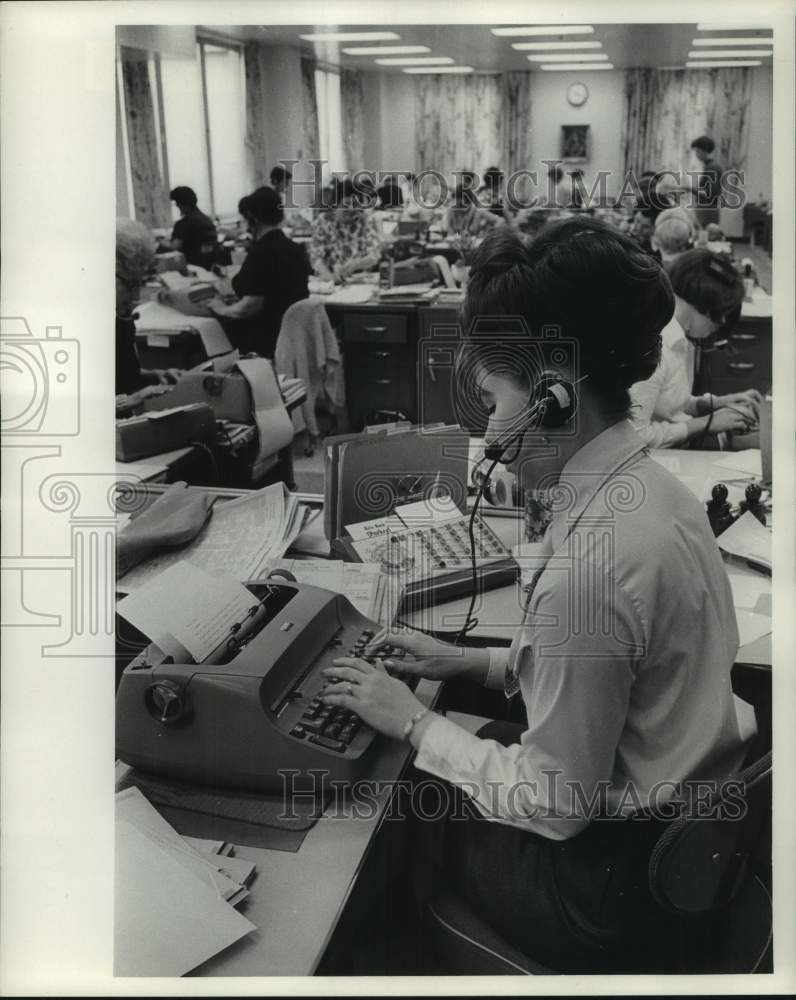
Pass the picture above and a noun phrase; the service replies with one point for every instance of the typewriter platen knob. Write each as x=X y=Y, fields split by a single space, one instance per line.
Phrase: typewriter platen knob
x=164 y=700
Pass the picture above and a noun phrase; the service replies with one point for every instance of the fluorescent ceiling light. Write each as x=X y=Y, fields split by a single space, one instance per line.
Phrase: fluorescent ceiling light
x=570 y=57
x=715 y=63
x=538 y=46
x=419 y=61
x=729 y=54
x=712 y=42
x=578 y=66
x=733 y=27
x=386 y=50
x=546 y=29
x=441 y=69
x=353 y=36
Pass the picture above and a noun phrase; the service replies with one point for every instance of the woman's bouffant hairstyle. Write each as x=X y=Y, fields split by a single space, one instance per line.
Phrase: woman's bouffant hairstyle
x=580 y=281
x=709 y=283
x=264 y=205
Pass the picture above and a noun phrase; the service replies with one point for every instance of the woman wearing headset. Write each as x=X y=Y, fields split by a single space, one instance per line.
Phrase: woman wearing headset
x=623 y=651
x=708 y=294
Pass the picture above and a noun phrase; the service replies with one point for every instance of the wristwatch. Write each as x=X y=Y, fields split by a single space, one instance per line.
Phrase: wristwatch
x=410 y=725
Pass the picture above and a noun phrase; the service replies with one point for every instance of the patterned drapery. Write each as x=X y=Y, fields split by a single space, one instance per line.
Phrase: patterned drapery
x=150 y=194
x=309 y=106
x=255 y=114
x=516 y=119
x=459 y=122
x=666 y=109
x=352 y=97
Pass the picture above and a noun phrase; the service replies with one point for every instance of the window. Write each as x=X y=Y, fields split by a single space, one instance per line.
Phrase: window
x=183 y=116
x=200 y=124
x=225 y=100
x=330 y=120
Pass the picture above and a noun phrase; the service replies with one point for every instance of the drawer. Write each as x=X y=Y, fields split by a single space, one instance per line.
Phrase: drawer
x=379 y=328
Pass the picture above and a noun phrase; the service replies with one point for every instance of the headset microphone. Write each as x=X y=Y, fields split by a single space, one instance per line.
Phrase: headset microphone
x=554 y=409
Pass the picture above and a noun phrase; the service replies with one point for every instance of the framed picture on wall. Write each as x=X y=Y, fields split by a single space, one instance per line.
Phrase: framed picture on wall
x=575 y=141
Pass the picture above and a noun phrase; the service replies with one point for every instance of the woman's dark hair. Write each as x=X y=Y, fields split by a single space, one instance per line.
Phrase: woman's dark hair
x=580 y=292
x=280 y=175
x=704 y=143
x=243 y=206
x=709 y=283
x=556 y=173
x=265 y=206
x=183 y=197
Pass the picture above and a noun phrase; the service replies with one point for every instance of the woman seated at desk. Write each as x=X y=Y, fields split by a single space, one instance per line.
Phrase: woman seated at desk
x=466 y=216
x=708 y=290
x=344 y=239
x=272 y=277
x=135 y=251
x=617 y=711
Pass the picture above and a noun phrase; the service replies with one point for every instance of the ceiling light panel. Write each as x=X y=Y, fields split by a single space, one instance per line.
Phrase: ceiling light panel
x=545 y=29
x=729 y=42
x=386 y=50
x=419 y=61
x=353 y=36
x=570 y=57
x=716 y=63
x=441 y=69
x=729 y=53
x=577 y=66
x=546 y=46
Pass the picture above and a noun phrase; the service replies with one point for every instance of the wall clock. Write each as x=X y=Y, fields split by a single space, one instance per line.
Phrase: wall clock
x=577 y=94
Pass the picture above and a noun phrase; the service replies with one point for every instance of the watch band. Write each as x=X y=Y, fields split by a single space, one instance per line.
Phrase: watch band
x=410 y=725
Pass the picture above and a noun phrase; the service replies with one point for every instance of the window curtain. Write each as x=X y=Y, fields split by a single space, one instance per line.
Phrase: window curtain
x=150 y=196
x=255 y=115
x=352 y=97
x=309 y=107
x=516 y=119
x=459 y=122
x=666 y=109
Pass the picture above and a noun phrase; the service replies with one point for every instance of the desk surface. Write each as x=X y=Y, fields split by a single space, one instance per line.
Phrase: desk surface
x=499 y=610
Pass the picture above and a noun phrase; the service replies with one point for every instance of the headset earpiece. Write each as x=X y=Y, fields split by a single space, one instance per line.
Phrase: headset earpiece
x=559 y=401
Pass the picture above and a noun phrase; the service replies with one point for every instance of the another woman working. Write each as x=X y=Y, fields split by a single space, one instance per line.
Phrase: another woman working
x=708 y=293
x=272 y=277
x=623 y=653
x=344 y=239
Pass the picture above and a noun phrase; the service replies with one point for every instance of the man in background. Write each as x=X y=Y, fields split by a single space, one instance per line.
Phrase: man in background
x=194 y=233
x=706 y=183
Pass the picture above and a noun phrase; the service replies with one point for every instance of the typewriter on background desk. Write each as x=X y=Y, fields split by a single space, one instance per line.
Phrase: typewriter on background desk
x=251 y=710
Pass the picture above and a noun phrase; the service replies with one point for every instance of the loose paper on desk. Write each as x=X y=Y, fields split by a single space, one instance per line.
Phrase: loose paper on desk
x=748 y=539
x=238 y=539
x=185 y=602
x=161 y=318
x=352 y=294
x=748 y=462
x=166 y=921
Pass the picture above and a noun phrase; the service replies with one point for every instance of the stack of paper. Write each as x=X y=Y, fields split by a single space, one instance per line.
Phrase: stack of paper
x=239 y=539
x=748 y=539
x=362 y=583
x=174 y=904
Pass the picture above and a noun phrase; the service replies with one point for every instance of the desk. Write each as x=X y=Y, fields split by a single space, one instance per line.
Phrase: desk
x=747 y=361
x=499 y=610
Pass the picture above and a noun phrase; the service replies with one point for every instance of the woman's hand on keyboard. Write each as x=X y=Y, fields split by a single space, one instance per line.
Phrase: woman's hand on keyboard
x=407 y=653
x=381 y=701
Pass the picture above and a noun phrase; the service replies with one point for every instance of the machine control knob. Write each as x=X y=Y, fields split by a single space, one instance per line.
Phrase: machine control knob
x=165 y=701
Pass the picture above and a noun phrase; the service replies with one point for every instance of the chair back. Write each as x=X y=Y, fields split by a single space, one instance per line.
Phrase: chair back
x=700 y=861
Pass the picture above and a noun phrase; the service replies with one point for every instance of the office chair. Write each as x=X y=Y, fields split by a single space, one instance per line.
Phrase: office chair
x=713 y=875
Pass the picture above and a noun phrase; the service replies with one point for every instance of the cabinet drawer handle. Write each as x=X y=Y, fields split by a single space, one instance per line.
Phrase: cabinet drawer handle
x=746 y=337
x=381 y=354
x=383 y=381
x=740 y=366
x=375 y=329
